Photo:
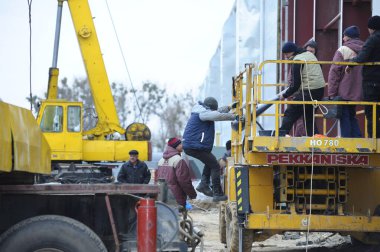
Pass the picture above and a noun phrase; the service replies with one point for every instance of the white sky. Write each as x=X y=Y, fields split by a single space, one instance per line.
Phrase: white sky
x=169 y=42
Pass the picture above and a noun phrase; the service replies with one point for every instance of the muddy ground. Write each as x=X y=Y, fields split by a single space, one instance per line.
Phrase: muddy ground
x=206 y=217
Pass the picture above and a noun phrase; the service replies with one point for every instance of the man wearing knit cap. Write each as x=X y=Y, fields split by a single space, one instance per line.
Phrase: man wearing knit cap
x=311 y=46
x=371 y=74
x=346 y=85
x=134 y=171
x=307 y=85
x=176 y=172
x=174 y=142
x=198 y=140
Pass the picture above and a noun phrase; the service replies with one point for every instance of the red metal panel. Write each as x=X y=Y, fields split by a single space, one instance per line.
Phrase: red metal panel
x=357 y=14
x=326 y=11
x=354 y=13
x=290 y=20
x=304 y=21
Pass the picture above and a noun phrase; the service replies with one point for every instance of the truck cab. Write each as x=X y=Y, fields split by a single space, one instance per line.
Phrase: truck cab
x=62 y=125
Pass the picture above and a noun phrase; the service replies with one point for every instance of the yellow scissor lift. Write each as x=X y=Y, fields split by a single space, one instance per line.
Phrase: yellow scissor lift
x=281 y=183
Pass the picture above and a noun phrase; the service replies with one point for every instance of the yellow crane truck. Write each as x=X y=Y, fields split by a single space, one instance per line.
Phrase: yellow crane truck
x=278 y=183
x=56 y=217
x=62 y=121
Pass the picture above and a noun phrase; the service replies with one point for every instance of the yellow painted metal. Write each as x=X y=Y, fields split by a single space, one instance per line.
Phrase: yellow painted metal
x=361 y=182
x=98 y=150
x=231 y=183
x=316 y=191
x=248 y=105
x=64 y=144
x=258 y=99
x=31 y=152
x=364 y=188
x=5 y=139
x=298 y=222
x=326 y=144
x=71 y=145
x=68 y=145
x=108 y=121
x=53 y=84
x=315 y=176
x=261 y=189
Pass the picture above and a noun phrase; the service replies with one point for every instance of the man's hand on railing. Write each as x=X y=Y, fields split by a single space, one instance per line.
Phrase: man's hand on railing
x=240 y=118
x=348 y=69
x=233 y=105
x=281 y=95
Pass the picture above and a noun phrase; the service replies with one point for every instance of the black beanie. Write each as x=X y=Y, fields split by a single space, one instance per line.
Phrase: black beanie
x=289 y=47
x=311 y=43
x=352 y=32
x=228 y=145
x=374 y=23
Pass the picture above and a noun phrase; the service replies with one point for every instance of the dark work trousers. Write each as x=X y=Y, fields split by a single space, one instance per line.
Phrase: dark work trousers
x=211 y=166
x=349 y=126
x=295 y=111
x=371 y=93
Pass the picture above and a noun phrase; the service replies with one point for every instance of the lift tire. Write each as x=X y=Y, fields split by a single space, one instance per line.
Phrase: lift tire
x=222 y=223
x=232 y=231
x=50 y=233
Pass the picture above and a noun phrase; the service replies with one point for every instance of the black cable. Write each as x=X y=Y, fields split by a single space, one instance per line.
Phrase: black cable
x=125 y=63
x=30 y=53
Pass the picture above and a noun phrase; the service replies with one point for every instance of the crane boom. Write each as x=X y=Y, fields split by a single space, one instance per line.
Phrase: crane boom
x=108 y=120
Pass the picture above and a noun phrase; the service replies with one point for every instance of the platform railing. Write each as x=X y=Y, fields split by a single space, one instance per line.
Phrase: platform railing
x=248 y=89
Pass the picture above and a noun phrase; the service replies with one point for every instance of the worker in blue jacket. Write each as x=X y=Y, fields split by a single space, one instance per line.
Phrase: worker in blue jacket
x=198 y=140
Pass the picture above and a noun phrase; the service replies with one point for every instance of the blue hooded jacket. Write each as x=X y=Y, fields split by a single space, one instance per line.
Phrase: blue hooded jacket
x=200 y=129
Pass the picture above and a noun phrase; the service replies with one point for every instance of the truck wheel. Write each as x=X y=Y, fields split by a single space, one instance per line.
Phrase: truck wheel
x=232 y=231
x=50 y=233
x=222 y=223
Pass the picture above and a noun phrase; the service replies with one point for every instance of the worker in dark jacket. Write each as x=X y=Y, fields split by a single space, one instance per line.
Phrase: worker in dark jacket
x=198 y=140
x=223 y=160
x=371 y=74
x=307 y=85
x=176 y=172
x=347 y=85
x=134 y=171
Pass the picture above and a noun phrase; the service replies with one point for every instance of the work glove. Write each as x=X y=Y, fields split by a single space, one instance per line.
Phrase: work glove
x=240 y=118
x=233 y=105
x=194 y=196
x=188 y=206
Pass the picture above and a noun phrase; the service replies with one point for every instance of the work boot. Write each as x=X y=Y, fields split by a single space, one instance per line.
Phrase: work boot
x=205 y=189
x=218 y=194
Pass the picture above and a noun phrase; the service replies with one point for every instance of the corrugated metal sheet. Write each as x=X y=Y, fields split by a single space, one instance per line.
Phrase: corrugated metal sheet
x=5 y=139
x=31 y=152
